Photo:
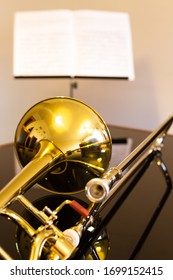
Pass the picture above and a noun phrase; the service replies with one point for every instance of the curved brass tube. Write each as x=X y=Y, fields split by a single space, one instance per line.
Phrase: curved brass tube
x=38 y=243
x=31 y=173
x=65 y=146
x=15 y=217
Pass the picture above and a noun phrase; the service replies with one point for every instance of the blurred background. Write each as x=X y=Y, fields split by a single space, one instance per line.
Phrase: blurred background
x=143 y=103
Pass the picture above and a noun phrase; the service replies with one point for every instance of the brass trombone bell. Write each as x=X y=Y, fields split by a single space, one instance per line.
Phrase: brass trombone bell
x=76 y=131
x=65 y=146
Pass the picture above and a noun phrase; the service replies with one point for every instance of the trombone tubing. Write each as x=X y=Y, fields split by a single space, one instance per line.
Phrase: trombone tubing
x=109 y=178
x=160 y=131
x=39 y=166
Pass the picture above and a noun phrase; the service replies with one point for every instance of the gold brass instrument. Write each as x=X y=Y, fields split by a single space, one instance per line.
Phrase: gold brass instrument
x=64 y=146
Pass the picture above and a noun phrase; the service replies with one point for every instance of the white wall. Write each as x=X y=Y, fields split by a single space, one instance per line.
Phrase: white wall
x=143 y=103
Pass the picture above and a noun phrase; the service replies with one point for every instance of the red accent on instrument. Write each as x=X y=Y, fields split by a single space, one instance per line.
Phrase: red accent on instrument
x=79 y=208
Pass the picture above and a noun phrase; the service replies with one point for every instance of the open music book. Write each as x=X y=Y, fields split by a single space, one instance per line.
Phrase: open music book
x=81 y=43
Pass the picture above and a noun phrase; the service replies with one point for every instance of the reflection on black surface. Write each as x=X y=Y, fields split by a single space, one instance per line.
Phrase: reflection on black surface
x=132 y=217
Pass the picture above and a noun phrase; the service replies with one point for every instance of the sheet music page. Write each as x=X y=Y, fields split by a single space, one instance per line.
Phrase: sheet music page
x=104 y=44
x=72 y=43
x=43 y=43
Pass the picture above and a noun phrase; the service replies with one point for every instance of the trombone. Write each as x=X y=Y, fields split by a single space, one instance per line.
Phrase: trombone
x=64 y=146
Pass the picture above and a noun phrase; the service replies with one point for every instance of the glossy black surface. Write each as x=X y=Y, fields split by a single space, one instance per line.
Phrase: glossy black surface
x=134 y=213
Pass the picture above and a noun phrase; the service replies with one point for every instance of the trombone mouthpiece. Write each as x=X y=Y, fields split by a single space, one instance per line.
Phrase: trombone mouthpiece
x=97 y=189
